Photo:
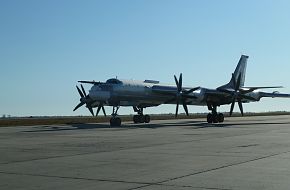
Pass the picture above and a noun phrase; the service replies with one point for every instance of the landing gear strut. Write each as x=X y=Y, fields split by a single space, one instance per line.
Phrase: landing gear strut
x=115 y=121
x=214 y=117
x=140 y=118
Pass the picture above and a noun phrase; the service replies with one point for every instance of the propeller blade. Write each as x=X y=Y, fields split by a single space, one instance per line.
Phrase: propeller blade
x=79 y=105
x=232 y=107
x=185 y=108
x=104 y=111
x=84 y=92
x=176 y=82
x=241 y=107
x=98 y=110
x=91 y=110
x=180 y=83
x=80 y=92
x=176 y=112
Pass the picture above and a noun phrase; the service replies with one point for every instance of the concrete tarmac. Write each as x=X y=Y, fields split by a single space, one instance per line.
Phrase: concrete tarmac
x=241 y=153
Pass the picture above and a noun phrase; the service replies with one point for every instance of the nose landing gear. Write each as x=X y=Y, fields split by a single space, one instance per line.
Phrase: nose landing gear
x=115 y=121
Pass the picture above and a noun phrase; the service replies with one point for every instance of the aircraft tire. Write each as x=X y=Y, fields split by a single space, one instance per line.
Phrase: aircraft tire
x=147 y=118
x=118 y=121
x=142 y=118
x=115 y=122
x=215 y=118
x=221 y=117
x=136 y=119
x=112 y=121
x=209 y=118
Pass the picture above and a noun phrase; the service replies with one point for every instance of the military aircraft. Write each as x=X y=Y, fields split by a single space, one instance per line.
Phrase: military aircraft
x=149 y=93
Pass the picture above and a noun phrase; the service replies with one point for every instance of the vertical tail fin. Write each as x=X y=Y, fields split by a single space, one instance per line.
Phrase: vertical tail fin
x=240 y=71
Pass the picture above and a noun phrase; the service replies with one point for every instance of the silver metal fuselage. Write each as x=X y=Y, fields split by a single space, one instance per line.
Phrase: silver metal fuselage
x=149 y=93
x=146 y=94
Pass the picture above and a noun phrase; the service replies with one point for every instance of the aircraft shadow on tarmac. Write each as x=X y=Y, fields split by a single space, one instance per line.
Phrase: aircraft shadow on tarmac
x=193 y=124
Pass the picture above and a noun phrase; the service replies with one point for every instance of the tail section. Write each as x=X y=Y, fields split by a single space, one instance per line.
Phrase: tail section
x=239 y=74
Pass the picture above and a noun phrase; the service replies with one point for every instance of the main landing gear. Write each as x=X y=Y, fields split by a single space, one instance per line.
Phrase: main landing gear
x=140 y=118
x=115 y=121
x=214 y=117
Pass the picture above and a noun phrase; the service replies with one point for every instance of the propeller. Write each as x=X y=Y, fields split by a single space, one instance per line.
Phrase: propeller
x=238 y=95
x=181 y=95
x=86 y=99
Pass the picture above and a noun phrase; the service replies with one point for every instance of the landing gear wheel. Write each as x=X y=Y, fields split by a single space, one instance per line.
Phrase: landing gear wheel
x=215 y=118
x=112 y=121
x=118 y=121
x=146 y=118
x=142 y=119
x=115 y=121
x=209 y=118
x=221 y=118
x=136 y=118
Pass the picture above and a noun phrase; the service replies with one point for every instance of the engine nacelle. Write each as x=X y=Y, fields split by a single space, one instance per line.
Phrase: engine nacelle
x=99 y=95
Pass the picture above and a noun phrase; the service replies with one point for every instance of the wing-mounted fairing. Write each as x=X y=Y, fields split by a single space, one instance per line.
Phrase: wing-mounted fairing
x=274 y=94
x=167 y=90
x=251 y=89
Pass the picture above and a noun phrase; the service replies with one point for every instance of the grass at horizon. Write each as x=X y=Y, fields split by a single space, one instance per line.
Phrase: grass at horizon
x=60 y=120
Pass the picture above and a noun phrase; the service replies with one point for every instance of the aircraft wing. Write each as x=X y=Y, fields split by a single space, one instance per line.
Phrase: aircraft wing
x=172 y=90
x=90 y=82
x=219 y=97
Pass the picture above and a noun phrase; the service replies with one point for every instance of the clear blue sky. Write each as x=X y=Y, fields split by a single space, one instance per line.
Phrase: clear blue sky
x=46 y=46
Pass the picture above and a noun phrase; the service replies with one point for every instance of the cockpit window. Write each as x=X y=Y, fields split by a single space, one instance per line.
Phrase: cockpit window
x=113 y=81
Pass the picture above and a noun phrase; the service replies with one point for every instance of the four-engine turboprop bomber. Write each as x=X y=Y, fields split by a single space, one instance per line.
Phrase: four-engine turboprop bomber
x=150 y=93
